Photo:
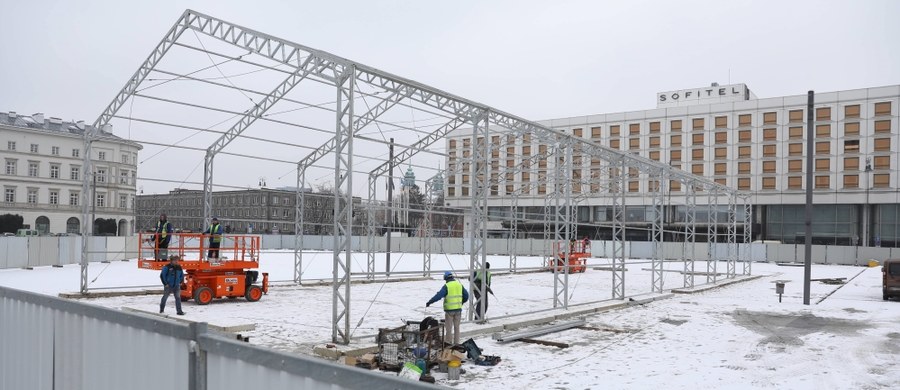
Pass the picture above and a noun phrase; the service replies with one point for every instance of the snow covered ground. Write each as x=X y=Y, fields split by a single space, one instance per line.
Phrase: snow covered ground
x=737 y=336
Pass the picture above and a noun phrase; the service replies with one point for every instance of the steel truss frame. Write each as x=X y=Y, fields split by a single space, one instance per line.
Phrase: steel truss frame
x=690 y=225
x=657 y=188
x=748 y=235
x=731 y=236
x=712 y=236
x=344 y=75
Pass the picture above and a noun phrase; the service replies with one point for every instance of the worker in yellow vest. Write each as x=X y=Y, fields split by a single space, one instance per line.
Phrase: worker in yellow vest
x=161 y=238
x=454 y=295
x=480 y=279
x=215 y=239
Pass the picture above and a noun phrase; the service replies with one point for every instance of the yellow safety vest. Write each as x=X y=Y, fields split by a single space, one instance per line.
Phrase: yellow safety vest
x=454 y=298
x=216 y=229
x=163 y=231
x=486 y=280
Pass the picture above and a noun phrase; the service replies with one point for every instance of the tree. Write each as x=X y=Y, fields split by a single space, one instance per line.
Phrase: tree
x=10 y=223
x=104 y=227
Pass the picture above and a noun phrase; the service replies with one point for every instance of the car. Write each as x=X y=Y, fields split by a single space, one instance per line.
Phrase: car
x=890 y=285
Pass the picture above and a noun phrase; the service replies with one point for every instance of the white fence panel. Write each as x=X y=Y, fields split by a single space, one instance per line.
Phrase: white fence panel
x=496 y=246
x=845 y=255
x=17 y=252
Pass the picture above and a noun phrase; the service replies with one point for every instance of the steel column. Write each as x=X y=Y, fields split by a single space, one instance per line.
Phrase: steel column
x=747 y=253
x=731 y=237
x=617 y=187
x=690 y=225
x=480 y=189
x=712 y=235
x=343 y=206
x=658 y=193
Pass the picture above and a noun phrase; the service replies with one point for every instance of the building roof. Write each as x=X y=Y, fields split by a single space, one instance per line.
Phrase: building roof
x=55 y=125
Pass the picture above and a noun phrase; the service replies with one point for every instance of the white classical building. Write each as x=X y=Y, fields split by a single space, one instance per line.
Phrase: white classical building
x=42 y=176
x=726 y=133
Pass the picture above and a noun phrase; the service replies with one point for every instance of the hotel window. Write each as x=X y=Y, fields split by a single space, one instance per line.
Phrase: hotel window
x=495 y=153
x=795 y=132
x=795 y=116
x=697 y=169
x=744 y=120
x=851 y=128
x=768 y=166
x=883 y=108
x=881 y=180
x=823 y=130
x=614 y=130
x=467 y=142
x=654 y=155
x=851 y=164
x=795 y=182
x=510 y=163
x=744 y=152
x=823 y=114
x=795 y=166
x=768 y=150
x=795 y=149
x=823 y=164
x=542 y=149
x=674 y=185
x=770 y=118
x=577 y=132
x=465 y=179
x=883 y=126
x=634 y=129
x=823 y=147
x=542 y=189
x=675 y=125
x=675 y=155
x=697 y=139
x=721 y=137
x=654 y=142
x=697 y=154
x=721 y=181
x=883 y=144
x=745 y=135
x=676 y=140
x=823 y=181
x=526 y=177
x=465 y=191
x=54 y=197
x=882 y=162
x=596 y=132
x=721 y=168
x=614 y=143
x=32 y=196
x=851 y=111
x=851 y=146
x=74 y=173
x=527 y=138
x=510 y=151
x=101 y=200
x=634 y=143
x=452 y=144
x=697 y=124
x=770 y=135
x=526 y=150
x=744 y=183
x=654 y=127
x=744 y=167
x=721 y=122
x=851 y=181
x=768 y=183
x=721 y=152
x=101 y=156
x=634 y=186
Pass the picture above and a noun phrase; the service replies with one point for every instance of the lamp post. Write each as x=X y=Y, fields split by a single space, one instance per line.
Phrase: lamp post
x=866 y=213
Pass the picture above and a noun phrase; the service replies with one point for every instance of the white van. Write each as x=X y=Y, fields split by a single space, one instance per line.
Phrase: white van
x=26 y=233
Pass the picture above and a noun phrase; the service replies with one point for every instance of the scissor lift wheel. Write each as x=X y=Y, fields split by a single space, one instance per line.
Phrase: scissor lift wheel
x=203 y=295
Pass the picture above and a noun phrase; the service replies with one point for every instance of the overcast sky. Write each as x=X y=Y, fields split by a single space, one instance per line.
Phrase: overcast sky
x=536 y=59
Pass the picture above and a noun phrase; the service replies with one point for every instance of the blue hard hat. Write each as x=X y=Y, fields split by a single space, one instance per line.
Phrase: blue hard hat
x=448 y=275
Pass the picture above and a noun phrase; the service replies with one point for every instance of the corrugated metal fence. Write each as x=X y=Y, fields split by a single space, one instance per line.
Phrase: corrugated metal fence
x=48 y=343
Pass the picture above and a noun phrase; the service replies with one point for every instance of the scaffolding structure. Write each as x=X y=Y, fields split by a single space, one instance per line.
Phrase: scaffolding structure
x=353 y=105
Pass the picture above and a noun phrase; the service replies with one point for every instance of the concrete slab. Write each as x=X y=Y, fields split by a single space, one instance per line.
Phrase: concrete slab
x=234 y=328
x=707 y=287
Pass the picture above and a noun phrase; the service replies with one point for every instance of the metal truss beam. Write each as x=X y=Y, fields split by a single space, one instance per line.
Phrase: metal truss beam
x=343 y=208
x=731 y=236
x=618 y=178
x=658 y=194
x=690 y=238
x=480 y=167
x=427 y=232
x=748 y=236
x=712 y=236
x=561 y=196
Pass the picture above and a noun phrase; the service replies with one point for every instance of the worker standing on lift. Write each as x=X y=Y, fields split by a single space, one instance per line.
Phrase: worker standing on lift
x=215 y=239
x=161 y=238
x=478 y=279
x=454 y=295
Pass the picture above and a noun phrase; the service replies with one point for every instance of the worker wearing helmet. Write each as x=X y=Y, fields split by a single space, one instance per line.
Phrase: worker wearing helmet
x=215 y=239
x=162 y=237
x=454 y=295
x=171 y=276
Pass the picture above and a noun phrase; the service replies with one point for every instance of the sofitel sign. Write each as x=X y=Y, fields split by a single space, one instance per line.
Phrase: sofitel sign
x=713 y=94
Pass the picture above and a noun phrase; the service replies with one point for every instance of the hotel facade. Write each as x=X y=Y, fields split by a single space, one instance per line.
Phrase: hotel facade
x=727 y=134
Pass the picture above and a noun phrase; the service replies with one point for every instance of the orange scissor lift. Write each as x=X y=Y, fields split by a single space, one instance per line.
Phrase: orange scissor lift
x=578 y=254
x=232 y=275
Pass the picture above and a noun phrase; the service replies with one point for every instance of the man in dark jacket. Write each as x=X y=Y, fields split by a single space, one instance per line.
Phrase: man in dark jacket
x=478 y=279
x=161 y=238
x=454 y=295
x=171 y=276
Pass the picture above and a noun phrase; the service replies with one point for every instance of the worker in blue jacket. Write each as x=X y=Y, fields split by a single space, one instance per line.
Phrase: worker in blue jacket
x=171 y=276
x=454 y=295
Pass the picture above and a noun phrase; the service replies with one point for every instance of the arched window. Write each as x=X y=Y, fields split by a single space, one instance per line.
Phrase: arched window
x=123 y=227
x=42 y=225
x=73 y=225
